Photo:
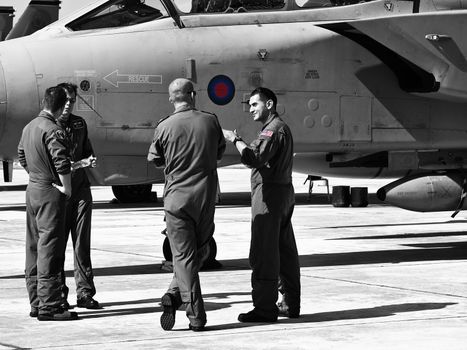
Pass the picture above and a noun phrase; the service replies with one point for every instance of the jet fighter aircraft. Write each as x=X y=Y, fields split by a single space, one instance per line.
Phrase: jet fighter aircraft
x=6 y=20
x=37 y=15
x=370 y=88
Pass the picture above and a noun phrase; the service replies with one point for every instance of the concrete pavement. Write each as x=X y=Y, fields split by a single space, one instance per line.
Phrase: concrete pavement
x=376 y=278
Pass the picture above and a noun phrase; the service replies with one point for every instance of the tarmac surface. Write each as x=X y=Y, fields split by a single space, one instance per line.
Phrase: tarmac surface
x=375 y=277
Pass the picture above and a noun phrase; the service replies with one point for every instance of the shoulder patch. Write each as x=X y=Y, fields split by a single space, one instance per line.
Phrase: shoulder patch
x=267 y=133
x=60 y=134
x=77 y=124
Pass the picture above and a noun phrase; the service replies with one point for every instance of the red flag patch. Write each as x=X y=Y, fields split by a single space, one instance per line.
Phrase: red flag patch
x=267 y=133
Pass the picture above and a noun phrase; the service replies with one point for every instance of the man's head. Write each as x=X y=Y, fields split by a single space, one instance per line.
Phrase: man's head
x=54 y=100
x=181 y=91
x=262 y=104
x=71 y=92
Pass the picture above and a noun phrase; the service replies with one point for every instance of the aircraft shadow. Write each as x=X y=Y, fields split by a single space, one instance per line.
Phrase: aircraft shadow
x=421 y=252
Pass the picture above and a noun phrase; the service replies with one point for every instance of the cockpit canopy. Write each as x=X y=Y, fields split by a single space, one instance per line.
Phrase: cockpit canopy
x=121 y=13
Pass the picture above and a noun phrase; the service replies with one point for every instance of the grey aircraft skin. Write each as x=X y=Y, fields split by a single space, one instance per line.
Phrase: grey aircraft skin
x=369 y=89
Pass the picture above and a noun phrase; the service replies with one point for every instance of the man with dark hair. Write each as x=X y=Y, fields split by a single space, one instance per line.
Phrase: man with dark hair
x=43 y=153
x=79 y=205
x=273 y=251
x=188 y=144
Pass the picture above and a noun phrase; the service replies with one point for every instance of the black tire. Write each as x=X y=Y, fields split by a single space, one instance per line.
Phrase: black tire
x=212 y=250
x=132 y=193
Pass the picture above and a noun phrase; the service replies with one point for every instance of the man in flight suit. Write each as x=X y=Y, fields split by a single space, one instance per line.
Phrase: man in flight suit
x=43 y=153
x=273 y=251
x=79 y=205
x=188 y=143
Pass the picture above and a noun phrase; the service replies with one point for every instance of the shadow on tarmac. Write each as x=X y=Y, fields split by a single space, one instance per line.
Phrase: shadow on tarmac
x=228 y=199
x=405 y=235
x=422 y=252
x=354 y=314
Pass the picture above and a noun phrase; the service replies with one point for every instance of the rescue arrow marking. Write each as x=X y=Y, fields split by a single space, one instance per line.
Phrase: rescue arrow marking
x=115 y=79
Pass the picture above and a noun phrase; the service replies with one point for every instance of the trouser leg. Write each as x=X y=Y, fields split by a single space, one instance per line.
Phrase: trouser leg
x=182 y=238
x=32 y=238
x=289 y=265
x=81 y=235
x=50 y=250
x=264 y=256
x=68 y=223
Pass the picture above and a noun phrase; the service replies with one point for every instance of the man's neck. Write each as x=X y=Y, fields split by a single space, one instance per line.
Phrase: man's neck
x=48 y=111
x=180 y=105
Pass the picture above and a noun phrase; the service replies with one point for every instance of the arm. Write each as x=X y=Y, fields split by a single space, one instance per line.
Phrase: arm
x=56 y=145
x=90 y=162
x=66 y=182
x=156 y=152
x=233 y=137
x=258 y=153
x=22 y=156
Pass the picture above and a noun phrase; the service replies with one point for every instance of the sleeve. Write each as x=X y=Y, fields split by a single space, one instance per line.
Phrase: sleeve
x=156 y=152
x=221 y=144
x=261 y=150
x=22 y=155
x=87 y=148
x=56 y=145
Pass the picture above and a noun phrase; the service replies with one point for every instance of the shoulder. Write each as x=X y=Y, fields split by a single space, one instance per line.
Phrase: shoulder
x=55 y=132
x=209 y=115
x=162 y=120
x=77 y=122
x=279 y=126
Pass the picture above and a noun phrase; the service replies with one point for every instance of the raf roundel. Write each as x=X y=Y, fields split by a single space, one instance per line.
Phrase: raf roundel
x=221 y=90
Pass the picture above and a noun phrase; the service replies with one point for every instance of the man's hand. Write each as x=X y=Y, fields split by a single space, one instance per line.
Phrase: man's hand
x=66 y=187
x=90 y=162
x=62 y=189
x=229 y=135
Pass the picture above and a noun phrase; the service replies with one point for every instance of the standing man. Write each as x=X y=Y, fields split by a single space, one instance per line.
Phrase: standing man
x=273 y=251
x=43 y=153
x=79 y=205
x=188 y=143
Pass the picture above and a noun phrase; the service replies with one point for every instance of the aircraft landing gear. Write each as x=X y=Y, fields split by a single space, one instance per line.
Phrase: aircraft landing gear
x=209 y=264
x=132 y=193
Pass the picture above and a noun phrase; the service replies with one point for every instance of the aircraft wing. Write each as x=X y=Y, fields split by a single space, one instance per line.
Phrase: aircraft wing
x=37 y=15
x=427 y=51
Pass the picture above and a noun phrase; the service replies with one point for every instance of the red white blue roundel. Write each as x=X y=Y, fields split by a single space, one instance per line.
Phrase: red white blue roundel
x=221 y=90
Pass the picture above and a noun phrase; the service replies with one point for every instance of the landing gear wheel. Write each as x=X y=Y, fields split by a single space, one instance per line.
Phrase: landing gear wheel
x=132 y=193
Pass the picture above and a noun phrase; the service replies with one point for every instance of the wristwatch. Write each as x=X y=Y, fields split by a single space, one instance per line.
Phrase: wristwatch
x=237 y=138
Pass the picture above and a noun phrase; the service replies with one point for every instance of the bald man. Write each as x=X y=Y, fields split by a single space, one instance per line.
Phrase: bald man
x=188 y=144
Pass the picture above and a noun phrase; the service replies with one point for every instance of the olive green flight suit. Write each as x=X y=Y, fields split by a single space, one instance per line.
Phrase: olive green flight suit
x=42 y=151
x=79 y=208
x=188 y=143
x=273 y=251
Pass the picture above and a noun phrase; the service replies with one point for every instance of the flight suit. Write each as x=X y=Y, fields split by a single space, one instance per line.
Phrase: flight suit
x=189 y=143
x=43 y=153
x=273 y=251
x=79 y=207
